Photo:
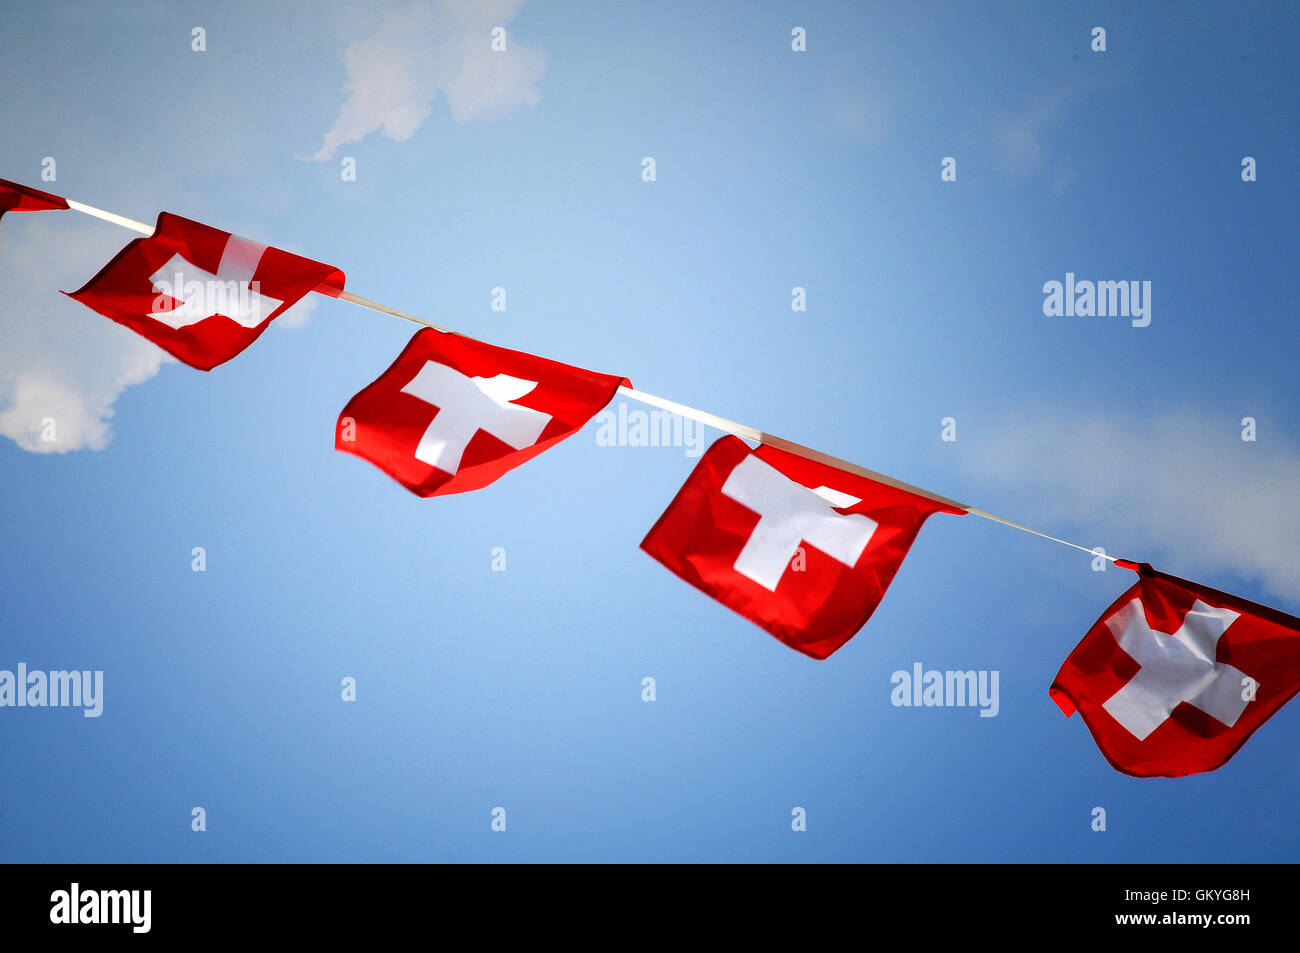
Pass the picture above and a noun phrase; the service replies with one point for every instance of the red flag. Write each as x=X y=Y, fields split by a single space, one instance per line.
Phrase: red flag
x=454 y=414
x=803 y=549
x=202 y=294
x=1174 y=676
x=20 y=198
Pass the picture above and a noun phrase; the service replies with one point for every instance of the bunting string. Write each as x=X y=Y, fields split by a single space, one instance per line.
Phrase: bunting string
x=683 y=410
x=1207 y=667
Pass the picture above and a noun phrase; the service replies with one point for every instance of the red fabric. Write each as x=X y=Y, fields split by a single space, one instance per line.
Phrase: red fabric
x=124 y=291
x=20 y=198
x=1262 y=643
x=389 y=423
x=814 y=611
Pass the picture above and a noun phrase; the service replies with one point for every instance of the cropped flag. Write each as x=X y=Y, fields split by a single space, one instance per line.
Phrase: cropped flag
x=201 y=294
x=20 y=198
x=1174 y=676
x=803 y=549
x=454 y=414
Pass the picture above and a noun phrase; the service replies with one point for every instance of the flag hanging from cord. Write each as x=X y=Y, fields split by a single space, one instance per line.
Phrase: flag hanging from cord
x=454 y=414
x=1175 y=677
x=201 y=294
x=21 y=198
x=1171 y=680
x=803 y=549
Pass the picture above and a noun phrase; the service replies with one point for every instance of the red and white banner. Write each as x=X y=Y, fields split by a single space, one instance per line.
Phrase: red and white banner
x=454 y=414
x=201 y=294
x=803 y=549
x=1174 y=676
x=21 y=198
x=1171 y=680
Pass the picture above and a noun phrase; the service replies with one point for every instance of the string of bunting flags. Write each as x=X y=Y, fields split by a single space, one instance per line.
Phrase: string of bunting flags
x=1171 y=680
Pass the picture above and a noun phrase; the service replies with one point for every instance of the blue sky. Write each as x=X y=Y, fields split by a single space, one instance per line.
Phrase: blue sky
x=775 y=169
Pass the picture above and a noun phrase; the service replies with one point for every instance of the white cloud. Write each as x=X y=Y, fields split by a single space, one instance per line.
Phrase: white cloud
x=61 y=360
x=295 y=317
x=427 y=48
x=1181 y=491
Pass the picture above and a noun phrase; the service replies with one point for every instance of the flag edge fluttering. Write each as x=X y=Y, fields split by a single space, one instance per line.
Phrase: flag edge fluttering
x=1069 y=705
x=331 y=284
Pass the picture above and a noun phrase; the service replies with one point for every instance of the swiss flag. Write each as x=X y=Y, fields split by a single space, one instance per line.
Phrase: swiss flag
x=803 y=549
x=20 y=198
x=1174 y=677
x=454 y=414
x=201 y=294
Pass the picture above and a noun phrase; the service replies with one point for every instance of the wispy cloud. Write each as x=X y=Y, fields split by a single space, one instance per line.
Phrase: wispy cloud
x=1029 y=141
x=427 y=48
x=1181 y=488
x=866 y=119
x=60 y=361
x=1020 y=139
x=296 y=317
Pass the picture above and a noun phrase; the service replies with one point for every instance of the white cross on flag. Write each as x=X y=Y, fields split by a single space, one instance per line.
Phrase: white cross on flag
x=454 y=414
x=1174 y=677
x=201 y=294
x=803 y=549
